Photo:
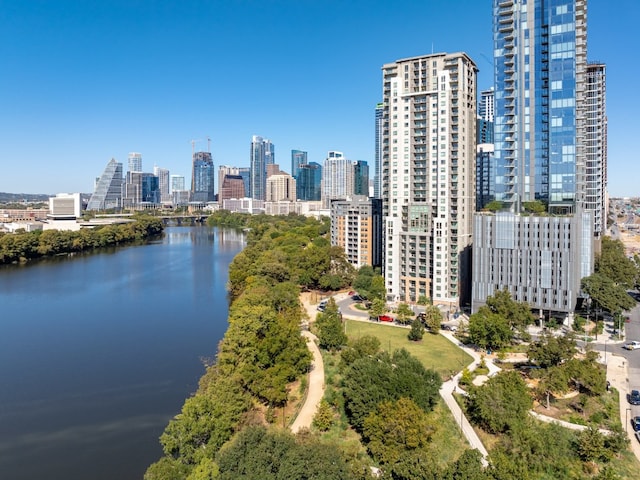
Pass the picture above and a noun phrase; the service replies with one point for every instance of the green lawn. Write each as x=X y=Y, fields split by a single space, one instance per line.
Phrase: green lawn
x=434 y=351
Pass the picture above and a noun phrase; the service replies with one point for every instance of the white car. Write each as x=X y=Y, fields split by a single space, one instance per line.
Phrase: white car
x=632 y=345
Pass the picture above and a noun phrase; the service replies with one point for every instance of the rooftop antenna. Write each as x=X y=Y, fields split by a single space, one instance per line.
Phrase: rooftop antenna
x=431 y=48
x=209 y=144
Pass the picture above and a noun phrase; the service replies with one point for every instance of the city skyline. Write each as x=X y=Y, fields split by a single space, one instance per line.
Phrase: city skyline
x=87 y=83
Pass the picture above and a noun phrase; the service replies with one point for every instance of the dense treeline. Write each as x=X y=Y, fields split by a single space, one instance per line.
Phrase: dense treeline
x=19 y=247
x=290 y=249
x=261 y=354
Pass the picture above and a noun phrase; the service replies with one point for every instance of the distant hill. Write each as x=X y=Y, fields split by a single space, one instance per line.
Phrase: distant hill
x=24 y=197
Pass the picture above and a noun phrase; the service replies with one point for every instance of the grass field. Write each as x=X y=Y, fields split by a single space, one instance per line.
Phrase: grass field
x=434 y=351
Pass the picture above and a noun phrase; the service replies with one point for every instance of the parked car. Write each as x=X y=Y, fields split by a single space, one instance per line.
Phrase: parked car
x=356 y=298
x=450 y=328
x=637 y=436
x=385 y=318
x=635 y=423
x=422 y=317
x=634 y=397
x=632 y=345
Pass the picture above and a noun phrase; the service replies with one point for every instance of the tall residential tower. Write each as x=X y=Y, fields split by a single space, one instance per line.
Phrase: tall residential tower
x=541 y=158
x=262 y=154
x=429 y=142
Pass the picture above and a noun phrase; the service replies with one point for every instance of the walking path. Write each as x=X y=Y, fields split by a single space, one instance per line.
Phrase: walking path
x=616 y=374
x=316 y=386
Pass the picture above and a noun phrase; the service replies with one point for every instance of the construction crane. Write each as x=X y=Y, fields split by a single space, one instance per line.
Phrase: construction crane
x=193 y=145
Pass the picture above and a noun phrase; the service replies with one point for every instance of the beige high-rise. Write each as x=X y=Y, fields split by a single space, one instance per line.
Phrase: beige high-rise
x=429 y=140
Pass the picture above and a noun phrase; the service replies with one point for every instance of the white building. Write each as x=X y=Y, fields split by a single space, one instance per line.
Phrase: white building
x=429 y=147
x=337 y=178
x=65 y=206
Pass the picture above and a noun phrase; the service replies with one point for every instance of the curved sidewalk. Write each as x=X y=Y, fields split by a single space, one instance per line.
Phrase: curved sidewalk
x=448 y=387
x=316 y=386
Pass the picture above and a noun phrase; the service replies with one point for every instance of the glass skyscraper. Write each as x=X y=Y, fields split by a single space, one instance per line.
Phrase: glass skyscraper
x=202 y=178
x=309 y=181
x=360 y=178
x=540 y=65
x=298 y=157
x=262 y=154
x=108 y=191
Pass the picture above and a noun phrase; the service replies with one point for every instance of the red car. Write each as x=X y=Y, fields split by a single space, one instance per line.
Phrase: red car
x=385 y=318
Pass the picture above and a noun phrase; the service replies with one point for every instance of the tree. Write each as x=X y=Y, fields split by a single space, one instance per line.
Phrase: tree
x=591 y=445
x=424 y=300
x=260 y=454
x=417 y=330
x=535 y=207
x=551 y=351
x=167 y=468
x=587 y=374
x=488 y=329
x=432 y=318
x=362 y=282
x=501 y=404
x=331 y=334
x=493 y=206
x=404 y=313
x=205 y=470
x=377 y=289
x=365 y=346
x=614 y=264
x=517 y=314
x=323 y=419
x=605 y=293
x=467 y=467
x=372 y=380
x=554 y=380
x=394 y=428
x=413 y=465
x=378 y=307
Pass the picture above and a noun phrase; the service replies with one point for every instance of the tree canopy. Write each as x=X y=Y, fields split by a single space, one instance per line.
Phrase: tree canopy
x=370 y=381
x=501 y=404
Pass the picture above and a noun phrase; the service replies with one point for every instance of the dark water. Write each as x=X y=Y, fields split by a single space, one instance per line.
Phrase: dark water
x=98 y=352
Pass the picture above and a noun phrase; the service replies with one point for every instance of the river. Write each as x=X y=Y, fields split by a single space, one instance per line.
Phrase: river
x=99 y=351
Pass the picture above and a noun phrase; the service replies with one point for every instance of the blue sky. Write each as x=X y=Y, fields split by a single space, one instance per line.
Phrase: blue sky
x=87 y=80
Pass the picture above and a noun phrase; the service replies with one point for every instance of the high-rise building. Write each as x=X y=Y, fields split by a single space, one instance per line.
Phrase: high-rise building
x=484 y=131
x=485 y=175
x=107 y=194
x=163 y=183
x=202 y=178
x=379 y=131
x=141 y=189
x=135 y=162
x=356 y=226
x=232 y=186
x=429 y=147
x=245 y=173
x=177 y=183
x=541 y=146
x=298 y=157
x=360 y=178
x=540 y=49
x=262 y=154
x=337 y=178
x=486 y=108
x=309 y=182
x=281 y=187
x=224 y=170
x=596 y=146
